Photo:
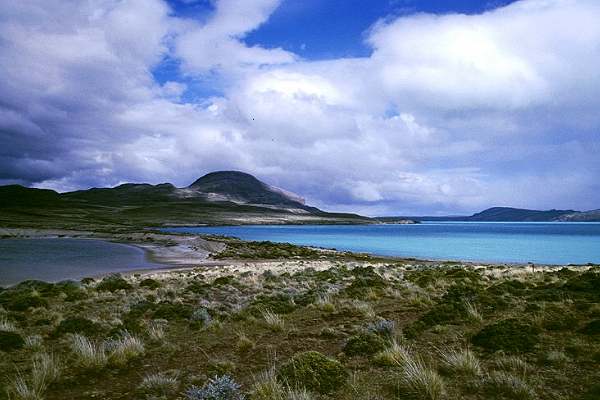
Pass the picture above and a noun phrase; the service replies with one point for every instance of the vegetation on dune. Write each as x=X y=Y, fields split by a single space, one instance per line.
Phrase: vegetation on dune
x=305 y=329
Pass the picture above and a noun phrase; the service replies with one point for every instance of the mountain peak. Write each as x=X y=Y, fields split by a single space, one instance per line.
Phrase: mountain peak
x=242 y=187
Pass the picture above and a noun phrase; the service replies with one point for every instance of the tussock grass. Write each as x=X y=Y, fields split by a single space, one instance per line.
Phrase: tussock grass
x=472 y=312
x=460 y=362
x=159 y=383
x=88 y=354
x=509 y=385
x=155 y=330
x=124 y=348
x=244 y=343
x=34 y=342
x=513 y=364
x=8 y=326
x=418 y=379
x=45 y=370
x=274 y=321
x=396 y=354
x=267 y=387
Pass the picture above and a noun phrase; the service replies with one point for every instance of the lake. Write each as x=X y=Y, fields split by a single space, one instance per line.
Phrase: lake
x=59 y=259
x=521 y=242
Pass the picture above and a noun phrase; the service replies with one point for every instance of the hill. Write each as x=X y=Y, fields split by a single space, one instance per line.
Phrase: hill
x=510 y=214
x=218 y=198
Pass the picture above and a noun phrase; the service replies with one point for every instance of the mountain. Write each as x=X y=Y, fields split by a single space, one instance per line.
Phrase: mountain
x=218 y=198
x=244 y=188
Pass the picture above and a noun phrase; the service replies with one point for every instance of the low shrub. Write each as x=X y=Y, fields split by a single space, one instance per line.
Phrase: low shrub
x=509 y=335
x=171 y=311
x=364 y=344
x=150 y=283
x=22 y=301
x=77 y=325
x=217 y=388
x=383 y=327
x=592 y=328
x=314 y=371
x=278 y=303
x=112 y=283
x=10 y=341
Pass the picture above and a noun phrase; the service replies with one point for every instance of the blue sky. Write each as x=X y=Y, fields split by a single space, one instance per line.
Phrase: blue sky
x=377 y=107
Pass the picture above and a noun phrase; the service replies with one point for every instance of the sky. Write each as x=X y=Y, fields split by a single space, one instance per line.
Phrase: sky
x=385 y=107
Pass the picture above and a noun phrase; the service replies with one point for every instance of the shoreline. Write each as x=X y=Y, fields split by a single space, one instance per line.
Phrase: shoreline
x=180 y=252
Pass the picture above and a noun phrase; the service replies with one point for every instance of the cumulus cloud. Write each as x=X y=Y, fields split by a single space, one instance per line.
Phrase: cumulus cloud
x=449 y=113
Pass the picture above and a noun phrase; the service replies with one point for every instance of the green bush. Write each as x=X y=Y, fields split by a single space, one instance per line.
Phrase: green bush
x=150 y=283
x=365 y=279
x=592 y=328
x=224 y=280
x=10 y=341
x=112 y=283
x=22 y=301
x=313 y=371
x=509 y=335
x=77 y=325
x=366 y=343
x=172 y=311
x=278 y=303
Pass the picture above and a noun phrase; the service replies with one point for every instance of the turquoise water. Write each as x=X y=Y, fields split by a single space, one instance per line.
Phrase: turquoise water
x=547 y=243
x=59 y=259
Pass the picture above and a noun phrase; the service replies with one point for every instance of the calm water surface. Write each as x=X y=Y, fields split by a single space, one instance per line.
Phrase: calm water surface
x=548 y=243
x=58 y=259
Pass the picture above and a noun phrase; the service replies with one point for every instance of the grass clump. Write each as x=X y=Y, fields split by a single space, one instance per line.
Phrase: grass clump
x=124 y=348
x=509 y=335
x=159 y=384
x=89 y=355
x=419 y=380
x=313 y=371
x=460 y=362
x=364 y=344
x=503 y=383
x=10 y=341
x=273 y=321
x=7 y=326
x=395 y=354
x=45 y=370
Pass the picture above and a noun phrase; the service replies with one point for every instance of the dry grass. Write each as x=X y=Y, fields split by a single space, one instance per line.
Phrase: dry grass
x=159 y=383
x=156 y=330
x=88 y=354
x=45 y=370
x=461 y=362
x=395 y=354
x=509 y=385
x=7 y=326
x=126 y=347
x=420 y=380
x=274 y=321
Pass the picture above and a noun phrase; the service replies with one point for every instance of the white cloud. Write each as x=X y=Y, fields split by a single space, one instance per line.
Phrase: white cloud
x=217 y=43
x=450 y=113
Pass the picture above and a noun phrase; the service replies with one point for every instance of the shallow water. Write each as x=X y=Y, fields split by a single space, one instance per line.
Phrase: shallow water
x=521 y=242
x=59 y=259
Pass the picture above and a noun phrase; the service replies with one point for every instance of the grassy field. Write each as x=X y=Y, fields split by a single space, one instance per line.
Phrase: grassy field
x=306 y=328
